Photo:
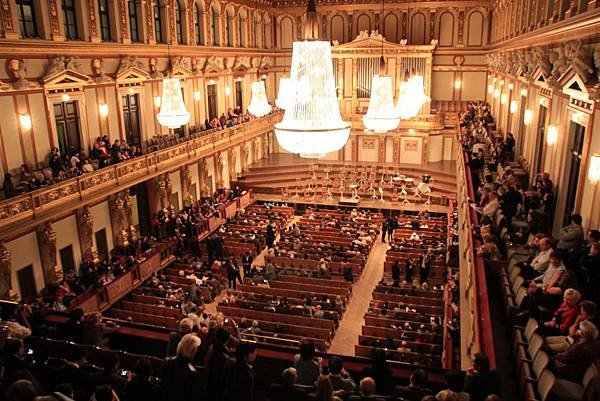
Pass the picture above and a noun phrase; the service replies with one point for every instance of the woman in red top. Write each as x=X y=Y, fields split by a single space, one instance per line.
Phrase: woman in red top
x=564 y=316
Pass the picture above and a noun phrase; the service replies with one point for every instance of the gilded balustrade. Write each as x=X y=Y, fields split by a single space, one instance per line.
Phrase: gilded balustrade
x=50 y=200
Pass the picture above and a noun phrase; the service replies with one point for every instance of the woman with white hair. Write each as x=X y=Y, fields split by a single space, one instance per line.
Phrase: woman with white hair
x=564 y=316
x=573 y=363
x=181 y=382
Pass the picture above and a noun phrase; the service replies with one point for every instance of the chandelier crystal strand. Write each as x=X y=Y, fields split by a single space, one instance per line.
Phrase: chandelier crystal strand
x=173 y=113
x=259 y=106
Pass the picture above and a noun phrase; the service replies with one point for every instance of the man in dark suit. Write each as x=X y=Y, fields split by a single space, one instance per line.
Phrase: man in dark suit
x=288 y=390
x=416 y=389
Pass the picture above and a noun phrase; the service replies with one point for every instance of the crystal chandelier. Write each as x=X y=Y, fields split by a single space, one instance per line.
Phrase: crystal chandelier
x=412 y=96
x=312 y=125
x=382 y=115
x=259 y=106
x=173 y=113
x=283 y=94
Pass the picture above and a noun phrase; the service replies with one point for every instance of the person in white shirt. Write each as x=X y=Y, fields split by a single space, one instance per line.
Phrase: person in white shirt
x=490 y=209
x=540 y=262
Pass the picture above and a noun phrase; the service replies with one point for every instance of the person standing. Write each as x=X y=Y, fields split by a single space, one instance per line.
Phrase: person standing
x=396 y=273
x=384 y=229
x=238 y=378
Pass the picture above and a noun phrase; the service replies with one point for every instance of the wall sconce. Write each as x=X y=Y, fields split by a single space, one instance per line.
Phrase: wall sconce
x=496 y=93
x=25 y=120
x=263 y=76
x=594 y=170
x=211 y=82
x=65 y=97
x=227 y=91
x=552 y=136
x=501 y=82
x=103 y=109
x=457 y=84
x=495 y=79
x=513 y=106
x=411 y=131
x=528 y=117
x=490 y=89
x=544 y=101
x=157 y=101
x=511 y=86
x=238 y=79
x=503 y=98
x=131 y=91
x=524 y=92
x=197 y=96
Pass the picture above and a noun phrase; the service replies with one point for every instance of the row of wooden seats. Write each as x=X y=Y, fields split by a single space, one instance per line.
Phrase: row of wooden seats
x=319 y=281
x=407 y=299
x=309 y=287
x=427 y=348
x=277 y=317
x=151 y=299
x=427 y=309
x=411 y=357
x=285 y=292
x=385 y=332
x=413 y=292
x=287 y=211
x=387 y=322
x=262 y=305
x=146 y=318
x=152 y=309
x=292 y=298
x=312 y=264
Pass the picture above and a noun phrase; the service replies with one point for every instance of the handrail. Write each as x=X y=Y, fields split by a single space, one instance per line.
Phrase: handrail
x=475 y=316
x=41 y=201
x=447 y=345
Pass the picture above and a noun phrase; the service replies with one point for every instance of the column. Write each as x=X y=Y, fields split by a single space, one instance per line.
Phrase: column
x=10 y=24
x=92 y=21
x=5 y=272
x=46 y=237
x=116 y=205
x=85 y=224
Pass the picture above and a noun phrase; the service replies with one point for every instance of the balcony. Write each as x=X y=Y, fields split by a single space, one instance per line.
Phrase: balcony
x=20 y=214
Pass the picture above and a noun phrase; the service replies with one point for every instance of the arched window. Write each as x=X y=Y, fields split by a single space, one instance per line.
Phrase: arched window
x=158 y=27
x=242 y=28
x=214 y=25
x=27 y=19
x=133 y=22
x=267 y=32
x=104 y=19
x=257 y=35
x=228 y=27
x=199 y=23
x=70 y=20
x=178 y=26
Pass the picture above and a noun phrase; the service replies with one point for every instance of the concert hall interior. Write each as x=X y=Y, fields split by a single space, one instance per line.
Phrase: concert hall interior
x=294 y=200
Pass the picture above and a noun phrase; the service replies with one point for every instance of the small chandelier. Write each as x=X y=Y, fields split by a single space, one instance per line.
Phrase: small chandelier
x=259 y=106
x=283 y=94
x=173 y=113
x=312 y=125
x=412 y=96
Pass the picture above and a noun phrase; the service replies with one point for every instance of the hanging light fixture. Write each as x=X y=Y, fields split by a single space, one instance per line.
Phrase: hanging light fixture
x=382 y=115
x=312 y=125
x=259 y=106
x=173 y=113
x=411 y=96
x=283 y=93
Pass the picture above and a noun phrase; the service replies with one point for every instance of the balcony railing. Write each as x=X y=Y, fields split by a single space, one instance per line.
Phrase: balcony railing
x=119 y=176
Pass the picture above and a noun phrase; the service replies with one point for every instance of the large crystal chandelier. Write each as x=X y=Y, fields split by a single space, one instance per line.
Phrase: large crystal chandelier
x=173 y=113
x=412 y=96
x=283 y=94
x=312 y=125
x=382 y=115
x=259 y=106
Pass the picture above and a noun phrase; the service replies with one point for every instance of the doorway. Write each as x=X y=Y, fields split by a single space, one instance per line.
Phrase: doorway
x=66 y=117
x=131 y=118
x=540 y=146
x=577 y=134
x=101 y=243
x=26 y=283
x=239 y=95
x=66 y=259
x=140 y=191
x=211 y=101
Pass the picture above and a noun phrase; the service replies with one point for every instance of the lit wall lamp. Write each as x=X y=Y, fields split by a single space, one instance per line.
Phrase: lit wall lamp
x=103 y=109
x=528 y=117
x=227 y=91
x=511 y=86
x=495 y=79
x=263 y=76
x=524 y=92
x=490 y=89
x=552 y=136
x=503 y=98
x=513 y=106
x=496 y=93
x=157 y=101
x=457 y=84
x=25 y=120
x=594 y=170
x=211 y=82
x=65 y=97
x=197 y=96
x=501 y=82
x=411 y=131
x=131 y=91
